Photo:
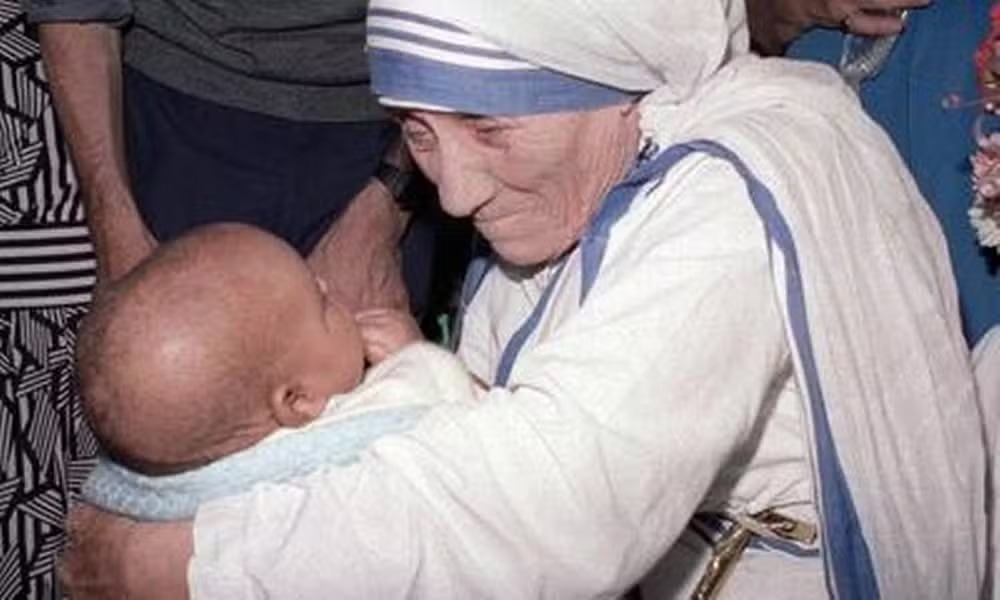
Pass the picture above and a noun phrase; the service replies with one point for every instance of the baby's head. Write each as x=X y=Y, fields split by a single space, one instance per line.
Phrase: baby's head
x=219 y=338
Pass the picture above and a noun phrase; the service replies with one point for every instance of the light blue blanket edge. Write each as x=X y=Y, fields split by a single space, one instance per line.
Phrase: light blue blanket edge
x=117 y=489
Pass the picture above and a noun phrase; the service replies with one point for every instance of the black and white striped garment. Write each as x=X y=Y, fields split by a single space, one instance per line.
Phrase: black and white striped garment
x=46 y=273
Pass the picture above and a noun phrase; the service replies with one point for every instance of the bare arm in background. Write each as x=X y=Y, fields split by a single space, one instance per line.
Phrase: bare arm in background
x=776 y=23
x=83 y=62
x=359 y=256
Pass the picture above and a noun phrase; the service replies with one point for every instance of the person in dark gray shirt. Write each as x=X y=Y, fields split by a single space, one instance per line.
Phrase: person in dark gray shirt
x=185 y=112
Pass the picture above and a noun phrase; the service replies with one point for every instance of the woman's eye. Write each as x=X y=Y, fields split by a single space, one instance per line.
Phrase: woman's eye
x=488 y=129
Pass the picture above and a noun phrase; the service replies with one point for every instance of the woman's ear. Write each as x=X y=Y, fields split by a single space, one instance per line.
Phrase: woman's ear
x=294 y=405
x=630 y=108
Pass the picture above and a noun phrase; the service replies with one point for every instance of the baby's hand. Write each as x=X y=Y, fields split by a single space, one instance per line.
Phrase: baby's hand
x=386 y=331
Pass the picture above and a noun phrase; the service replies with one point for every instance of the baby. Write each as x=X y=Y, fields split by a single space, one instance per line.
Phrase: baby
x=215 y=346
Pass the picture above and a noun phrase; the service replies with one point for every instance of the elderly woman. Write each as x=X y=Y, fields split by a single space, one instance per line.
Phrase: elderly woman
x=719 y=332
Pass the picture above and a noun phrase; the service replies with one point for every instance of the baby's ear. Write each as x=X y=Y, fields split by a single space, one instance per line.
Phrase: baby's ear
x=294 y=405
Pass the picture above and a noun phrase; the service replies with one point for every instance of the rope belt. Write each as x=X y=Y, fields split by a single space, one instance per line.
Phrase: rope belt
x=743 y=529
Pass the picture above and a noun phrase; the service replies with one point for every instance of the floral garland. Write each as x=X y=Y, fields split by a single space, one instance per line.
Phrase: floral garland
x=985 y=211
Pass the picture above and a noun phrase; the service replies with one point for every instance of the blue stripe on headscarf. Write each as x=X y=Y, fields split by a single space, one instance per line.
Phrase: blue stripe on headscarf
x=407 y=78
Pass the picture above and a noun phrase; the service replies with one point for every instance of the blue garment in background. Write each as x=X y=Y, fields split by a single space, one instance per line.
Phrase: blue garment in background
x=932 y=59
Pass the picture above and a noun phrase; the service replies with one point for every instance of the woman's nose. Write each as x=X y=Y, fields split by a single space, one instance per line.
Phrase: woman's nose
x=463 y=181
x=443 y=148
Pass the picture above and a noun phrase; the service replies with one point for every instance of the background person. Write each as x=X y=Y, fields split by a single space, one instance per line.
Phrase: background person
x=699 y=306
x=180 y=114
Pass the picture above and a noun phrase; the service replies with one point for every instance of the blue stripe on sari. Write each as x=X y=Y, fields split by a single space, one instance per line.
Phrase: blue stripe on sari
x=496 y=92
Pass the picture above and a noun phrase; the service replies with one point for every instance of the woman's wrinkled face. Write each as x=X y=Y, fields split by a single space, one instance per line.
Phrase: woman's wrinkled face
x=530 y=184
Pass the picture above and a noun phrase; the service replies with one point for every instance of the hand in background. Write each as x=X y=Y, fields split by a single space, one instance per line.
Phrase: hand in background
x=359 y=257
x=385 y=332
x=776 y=23
x=121 y=239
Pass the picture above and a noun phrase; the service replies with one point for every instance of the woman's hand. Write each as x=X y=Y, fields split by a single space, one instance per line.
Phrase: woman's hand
x=111 y=557
x=385 y=332
x=776 y=23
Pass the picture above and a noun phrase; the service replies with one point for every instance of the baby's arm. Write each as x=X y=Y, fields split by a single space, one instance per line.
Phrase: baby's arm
x=386 y=331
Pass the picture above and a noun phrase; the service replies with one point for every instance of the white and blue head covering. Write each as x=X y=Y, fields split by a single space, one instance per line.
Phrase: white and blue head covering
x=431 y=63
x=522 y=57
